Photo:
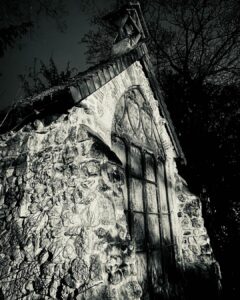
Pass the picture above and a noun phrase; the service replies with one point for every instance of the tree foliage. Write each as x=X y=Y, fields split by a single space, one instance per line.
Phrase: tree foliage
x=42 y=76
x=196 y=39
x=21 y=17
x=10 y=34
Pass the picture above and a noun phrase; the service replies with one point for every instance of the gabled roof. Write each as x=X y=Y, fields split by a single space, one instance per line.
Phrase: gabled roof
x=60 y=98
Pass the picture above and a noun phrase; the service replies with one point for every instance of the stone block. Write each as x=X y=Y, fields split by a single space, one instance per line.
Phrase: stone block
x=76 y=94
x=119 y=65
x=23 y=209
x=101 y=77
x=96 y=80
x=106 y=74
x=82 y=85
x=111 y=71
x=90 y=84
x=115 y=68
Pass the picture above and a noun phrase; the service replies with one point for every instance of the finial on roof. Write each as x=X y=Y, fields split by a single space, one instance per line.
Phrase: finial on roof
x=130 y=26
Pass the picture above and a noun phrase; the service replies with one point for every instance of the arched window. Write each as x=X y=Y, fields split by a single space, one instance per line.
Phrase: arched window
x=136 y=141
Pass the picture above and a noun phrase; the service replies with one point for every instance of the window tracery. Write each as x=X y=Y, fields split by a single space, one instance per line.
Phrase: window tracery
x=134 y=121
x=136 y=142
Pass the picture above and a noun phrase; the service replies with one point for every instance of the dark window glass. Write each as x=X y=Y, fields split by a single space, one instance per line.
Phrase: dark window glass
x=150 y=167
x=139 y=230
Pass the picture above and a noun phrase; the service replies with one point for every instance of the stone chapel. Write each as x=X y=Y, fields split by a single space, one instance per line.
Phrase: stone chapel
x=91 y=202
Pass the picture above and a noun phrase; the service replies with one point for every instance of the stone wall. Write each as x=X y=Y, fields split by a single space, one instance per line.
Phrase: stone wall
x=201 y=270
x=63 y=229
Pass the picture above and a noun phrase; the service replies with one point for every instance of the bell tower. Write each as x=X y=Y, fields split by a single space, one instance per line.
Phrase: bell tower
x=130 y=26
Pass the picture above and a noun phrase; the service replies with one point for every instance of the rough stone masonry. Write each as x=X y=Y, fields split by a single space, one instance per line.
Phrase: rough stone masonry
x=91 y=202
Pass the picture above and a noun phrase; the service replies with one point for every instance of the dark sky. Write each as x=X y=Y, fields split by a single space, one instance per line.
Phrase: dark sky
x=47 y=41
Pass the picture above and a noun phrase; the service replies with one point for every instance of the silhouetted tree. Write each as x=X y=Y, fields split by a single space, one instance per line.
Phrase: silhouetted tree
x=21 y=17
x=196 y=39
x=42 y=76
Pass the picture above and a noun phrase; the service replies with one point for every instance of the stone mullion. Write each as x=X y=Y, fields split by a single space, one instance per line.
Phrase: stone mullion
x=170 y=189
x=147 y=234
x=128 y=181
x=159 y=219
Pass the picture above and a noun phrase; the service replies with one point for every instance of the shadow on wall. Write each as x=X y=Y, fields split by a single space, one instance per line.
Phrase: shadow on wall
x=63 y=228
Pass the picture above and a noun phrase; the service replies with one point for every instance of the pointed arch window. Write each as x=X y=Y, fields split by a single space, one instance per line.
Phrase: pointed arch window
x=136 y=141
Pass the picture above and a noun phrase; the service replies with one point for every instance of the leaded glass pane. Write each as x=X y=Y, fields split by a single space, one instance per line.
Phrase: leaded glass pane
x=124 y=127
x=133 y=118
x=147 y=124
x=153 y=228
x=136 y=195
x=142 y=137
x=142 y=271
x=166 y=229
x=134 y=122
x=133 y=114
x=152 y=205
x=150 y=166
x=139 y=230
x=136 y=161
x=162 y=188
x=156 y=273
x=120 y=110
x=122 y=189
